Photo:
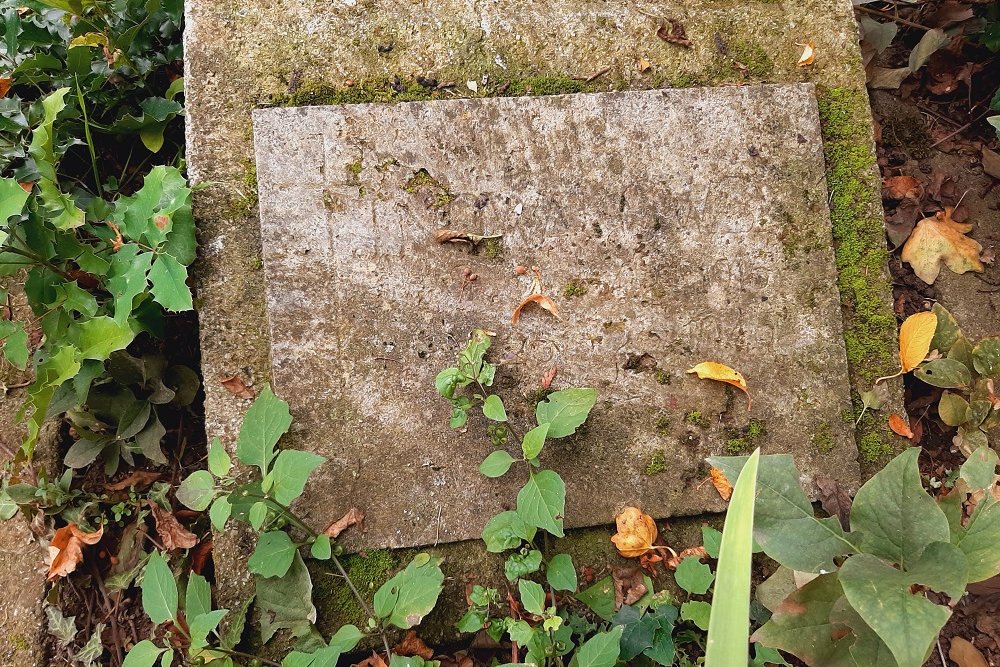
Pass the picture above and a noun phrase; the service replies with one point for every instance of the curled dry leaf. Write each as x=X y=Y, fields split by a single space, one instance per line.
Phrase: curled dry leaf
x=5 y=84
x=543 y=301
x=66 y=549
x=899 y=426
x=676 y=559
x=808 y=54
x=171 y=532
x=834 y=500
x=235 y=386
x=375 y=660
x=353 y=517
x=713 y=370
x=965 y=654
x=413 y=645
x=548 y=377
x=940 y=239
x=902 y=187
x=629 y=586
x=720 y=483
x=675 y=35
x=636 y=532
x=140 y=479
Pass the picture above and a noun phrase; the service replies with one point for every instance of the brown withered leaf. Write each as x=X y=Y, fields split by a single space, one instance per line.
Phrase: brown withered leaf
x=834 y=500
x=548 y=377
x=235 y=386
x=675 y=35
x=543 y=301
x=171 y=532
x=413 y=645
x=636 y=532
x=808 y=56
x=353 y=517
x=901 y=187
x=676 y=559
x=629 y=586
x=720 y=483
x=140 y=479
x=5 y=84
x=200 y=555
x=941 y=239
x=965 y=654
x=66 y=549
x=375 y=660
x=899 y=426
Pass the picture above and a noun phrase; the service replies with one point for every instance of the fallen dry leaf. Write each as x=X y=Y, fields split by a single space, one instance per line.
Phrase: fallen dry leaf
x=171 y=532
x=991 y=163
x=808 y=54
x=413 y=645
x=548 y=377
x=66 y=549
x=720 y=483
x=543 y=301
x=235 y=386
x=140 y=479
x=941 y=239
x=636 y=532
x=676 y=34
x=375 y=661
x=353 y=517
x=899 y=426
x=713 y=370
x=915 y=336
x=629 y=586
x=901 y=187
x=965 y=654
x=643 y=65
x=676 y=559
x=834 y=500
x=5 y=84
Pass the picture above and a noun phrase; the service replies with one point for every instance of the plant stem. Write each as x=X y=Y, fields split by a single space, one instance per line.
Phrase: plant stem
x=361 y=601
x=90 y=139
x=241 y=654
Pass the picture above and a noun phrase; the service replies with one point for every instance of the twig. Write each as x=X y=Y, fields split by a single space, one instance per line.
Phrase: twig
x=901 y=21
x=963 y=128
x=361 y=600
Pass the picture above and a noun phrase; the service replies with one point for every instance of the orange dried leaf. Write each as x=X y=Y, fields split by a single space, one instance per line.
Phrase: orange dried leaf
x=901 y=187
x=5 y=84
x=941 y=239
x=720 y=483
x=548 y=377
x=413 y=645
x=713 y=370
x=140 y=479
x=674 y=561
x=235 y=386
x=543 y=302
x=636 y=532
x=354 y=517
x=172 y=533
x=66 y=549
x=808 y=54
x=899 y=426
x=915 y=336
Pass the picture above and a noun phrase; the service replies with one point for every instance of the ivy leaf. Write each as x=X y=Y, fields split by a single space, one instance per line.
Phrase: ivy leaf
x=493 y=408
x=533 y=441
x=893 y=514
x=506 y=531
x=197 y=491
x=291 y=470
x=697 y=612
x=274 y=554
x=541 y=502
x=265 y=422
x=159 y=590
x=566 y=410
x=168 y=280
x=694 y=576
x=600 y=597
x=532 y=596
x=560 y=573
x=601 y=650
x=520 y=565
x=285 y=602
x=407 y=597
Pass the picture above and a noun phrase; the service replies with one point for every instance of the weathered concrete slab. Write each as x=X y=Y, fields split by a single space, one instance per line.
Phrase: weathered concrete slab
x=671 y=226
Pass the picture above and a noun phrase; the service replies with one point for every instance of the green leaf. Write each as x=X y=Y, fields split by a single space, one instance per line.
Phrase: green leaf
x=560 y=573
x=265 y=422
x=947 y=373
x=694 y=576
x=978 y=540
x=406 y=598
x=712 y=540
x=532 y=596
x=168 y=280
x=198 y=597
x=285 y=603
x=447 y=381
x=12 y=199
x=346 y=638
x=291 y=470
x=953 y=409
x=784 y=523
x=321 y=549
x=700 y=613
x=638 y=631
x=541 y=502
x=197 y=491
x=533 y=441
x=496 y=464
x=219 y=463
x=127 y=279
x=730 y=621
x=273 y=555
x=520 y=565
x=947 y=331
x=493 y=408
x=986 y=357
x=880 y=593
x=100 y=336
x=663 y=651
x=600 y=597
x=151 y=213
x=980 y=470
x=159 y=590
x=257 y=514
x=220 y=512
x=566 y=410
x=15 y=345
x=143 y=654
x=601 y=650
x=201 y=626
x=893 y=514
x=506 y=531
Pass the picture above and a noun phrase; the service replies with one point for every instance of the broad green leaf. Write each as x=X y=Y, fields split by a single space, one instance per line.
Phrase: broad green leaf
x=85 y=451
x=198 y=597
x=321 y=549
x=203 y=625
x=159 y=590
x=285 y=603
x=15 y=344
x=866 y=648
x=346 y=638
x=496 y=464
x=533 y=441
x=220 y=512
x=290 y=472
x=908 y=623
x=980 y=470
x=961 y=351
x=978 y=540
x=947 y=331
x=566 y=410
x=12 y=199
x=986 y=357
x=168 y=280
x=493 y=408
x=560 y=573
x=700 y=613
x=265 y=422
x=694 y=576
x=730 y=619
x=532 y=596
x=61 y=366
x=274 y=554
x=893 y=514
x=946 y=373
x=506 y=531
x=520 y=565
x=143 y=654
x=413 y=592
x=219 y=463
x=953 y=409
x=100 y=336
x=662 y=652
x=257 y=514
x=712 y=540
x=600 y=597
x=197 y=491
x=784 y=523
x=601 y=650
x=541 y=502
x=127 y=279
x=638 y=633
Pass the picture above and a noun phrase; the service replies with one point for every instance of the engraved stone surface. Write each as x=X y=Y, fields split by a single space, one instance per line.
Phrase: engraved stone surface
x=671 y=227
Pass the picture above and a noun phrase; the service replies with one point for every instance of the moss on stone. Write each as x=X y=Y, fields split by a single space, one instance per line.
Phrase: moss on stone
x=663 y=377
x=493 y=248
x=657 y=463
x=367 y=570
x=822 y=439
x=874 y=448
x=741 y=440
x=354 y=168
x=662 y=423
x=695 y=418
x=753 y=56
x=574 y=288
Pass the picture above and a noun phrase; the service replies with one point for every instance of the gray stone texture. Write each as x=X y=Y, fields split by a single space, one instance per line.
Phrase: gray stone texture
x=694 y=220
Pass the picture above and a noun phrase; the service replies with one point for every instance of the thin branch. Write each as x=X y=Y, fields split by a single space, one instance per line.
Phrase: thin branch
x=896 y=19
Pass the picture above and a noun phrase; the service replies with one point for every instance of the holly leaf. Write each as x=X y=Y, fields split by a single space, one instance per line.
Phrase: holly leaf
x=168 y=280
x=940 y=239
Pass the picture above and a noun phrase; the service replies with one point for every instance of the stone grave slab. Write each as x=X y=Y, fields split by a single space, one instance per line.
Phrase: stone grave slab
x=671 y=227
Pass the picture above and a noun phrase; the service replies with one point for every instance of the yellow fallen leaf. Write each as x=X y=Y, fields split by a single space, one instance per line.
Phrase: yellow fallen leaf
x=808 y=54
x=915 y=336
x=941 y=239
x=713 y=370
x=66 y=549
x=721 y=483
x=899 y=426
x=636 y=532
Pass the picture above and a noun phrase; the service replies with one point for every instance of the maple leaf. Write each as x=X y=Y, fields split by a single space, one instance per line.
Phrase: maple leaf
x=636 y=532
x=66 y=549
x=172 y=533
x=713 y=370
x=940 y=239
